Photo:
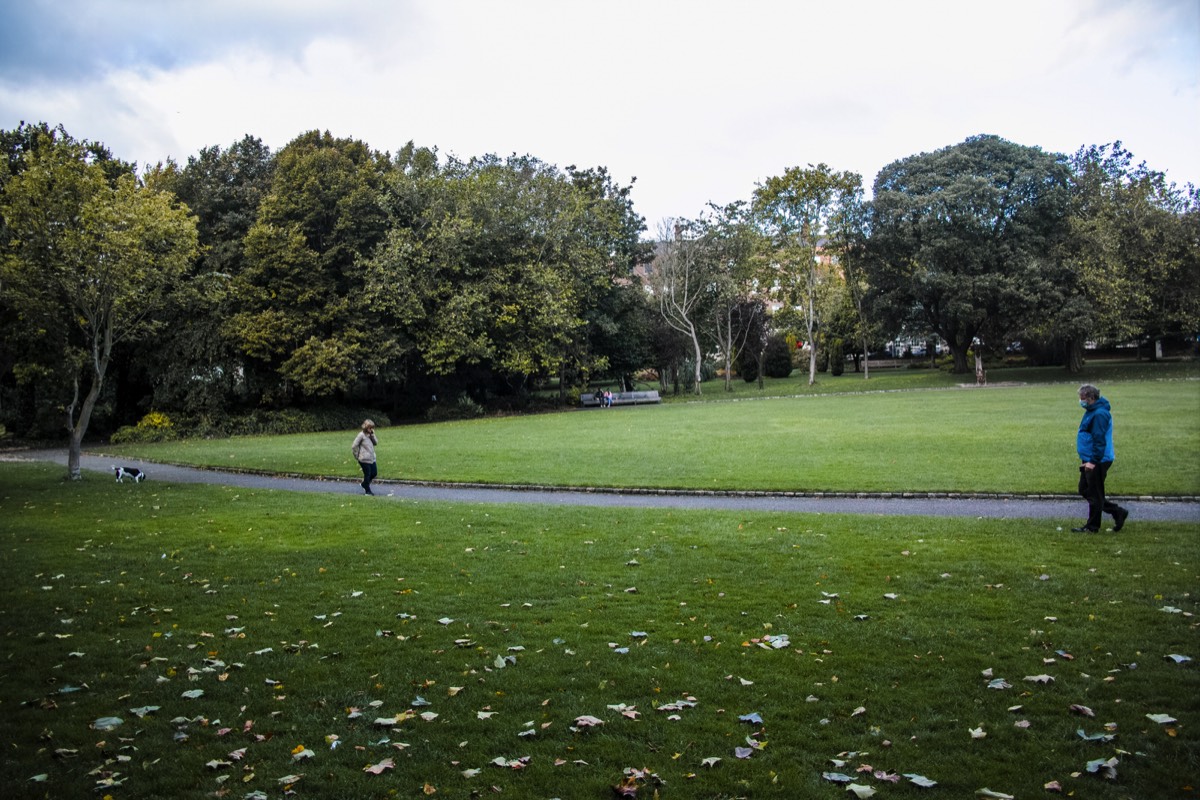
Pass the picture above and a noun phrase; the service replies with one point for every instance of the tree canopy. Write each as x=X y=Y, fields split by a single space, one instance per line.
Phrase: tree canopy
x=964 y=240
x=90 y=257
x=330 y=273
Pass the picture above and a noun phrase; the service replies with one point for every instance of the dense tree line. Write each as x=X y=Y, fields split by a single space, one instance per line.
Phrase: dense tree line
x=332 y=274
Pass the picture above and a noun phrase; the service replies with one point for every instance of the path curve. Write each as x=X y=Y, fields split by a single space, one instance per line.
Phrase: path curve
x=998 y=506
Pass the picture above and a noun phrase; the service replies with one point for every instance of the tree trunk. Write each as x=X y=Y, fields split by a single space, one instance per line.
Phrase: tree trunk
x=696 y=350
x=959 y=354
x=78 y=427
x=1074 y=356
x=812 y=348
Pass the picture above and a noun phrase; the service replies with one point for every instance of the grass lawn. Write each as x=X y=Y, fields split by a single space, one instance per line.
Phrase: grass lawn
x=1018 y=438
x=258 y=644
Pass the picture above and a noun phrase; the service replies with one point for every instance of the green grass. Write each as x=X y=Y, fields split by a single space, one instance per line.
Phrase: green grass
x=287 y=610
x=1018 y=439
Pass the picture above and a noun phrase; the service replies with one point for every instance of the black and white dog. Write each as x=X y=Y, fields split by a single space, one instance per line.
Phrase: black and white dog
x=129 y=472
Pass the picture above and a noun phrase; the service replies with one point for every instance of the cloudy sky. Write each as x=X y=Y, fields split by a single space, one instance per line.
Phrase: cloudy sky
x=697 y=100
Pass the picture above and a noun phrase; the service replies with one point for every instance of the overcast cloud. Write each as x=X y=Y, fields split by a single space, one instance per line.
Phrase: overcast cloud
x=698 y=100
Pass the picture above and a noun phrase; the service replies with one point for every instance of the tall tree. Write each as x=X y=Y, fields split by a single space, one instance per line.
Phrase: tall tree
x=796 y=210
x=729 y=242
x=88 y=261
x=1132 y=260
x=195 y=364
x=966 y=237
x=683 y=279
x=301 y=317
x=491 y=267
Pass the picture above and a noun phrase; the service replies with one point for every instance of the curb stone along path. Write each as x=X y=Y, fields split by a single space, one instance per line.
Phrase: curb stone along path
x=940 y=504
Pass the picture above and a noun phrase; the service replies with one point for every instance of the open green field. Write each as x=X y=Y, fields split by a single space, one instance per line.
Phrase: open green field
x=918 y=436
x=257 y=644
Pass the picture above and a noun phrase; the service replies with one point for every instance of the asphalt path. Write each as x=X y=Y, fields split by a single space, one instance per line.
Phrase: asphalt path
x=992 y=506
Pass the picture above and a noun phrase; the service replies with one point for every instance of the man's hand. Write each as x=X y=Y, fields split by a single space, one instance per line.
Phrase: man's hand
x=1088 y=465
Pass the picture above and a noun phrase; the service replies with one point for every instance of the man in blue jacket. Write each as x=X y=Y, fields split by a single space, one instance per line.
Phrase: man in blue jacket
x=1094 y=443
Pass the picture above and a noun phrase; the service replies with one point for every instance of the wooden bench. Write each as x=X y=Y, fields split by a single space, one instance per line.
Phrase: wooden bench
x=594 y=399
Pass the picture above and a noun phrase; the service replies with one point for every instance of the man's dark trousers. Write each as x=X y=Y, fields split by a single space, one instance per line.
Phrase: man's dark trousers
x=1091 y=488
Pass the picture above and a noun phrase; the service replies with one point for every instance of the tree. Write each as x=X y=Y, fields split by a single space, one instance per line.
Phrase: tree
x=500 y=271
x=300 y=316
x=195 y=364
x=729 y=242
x=682 y=277
x=848 y=243
x=88 y=262
x=1131 y=257
x=796 y=211
x=966 y=239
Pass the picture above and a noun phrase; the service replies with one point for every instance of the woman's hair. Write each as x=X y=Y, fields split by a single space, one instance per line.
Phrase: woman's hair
x=368 y=425
x=1089 y=391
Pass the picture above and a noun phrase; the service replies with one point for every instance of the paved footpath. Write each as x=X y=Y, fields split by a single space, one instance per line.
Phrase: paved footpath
x=1062 y=508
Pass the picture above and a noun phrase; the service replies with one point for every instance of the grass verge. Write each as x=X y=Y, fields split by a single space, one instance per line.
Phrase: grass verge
x=1018 y=439
x=303 y=621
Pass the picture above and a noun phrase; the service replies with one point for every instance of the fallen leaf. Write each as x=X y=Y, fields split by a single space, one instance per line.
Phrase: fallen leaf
x=859 y=790
x=1040 y=678
x=1106 y=768
x=377 y=769
x=920 y=780
x=1161 y=719
x=993 y=795
x=1082 y=710
x=711 y=761
x=1095 y=737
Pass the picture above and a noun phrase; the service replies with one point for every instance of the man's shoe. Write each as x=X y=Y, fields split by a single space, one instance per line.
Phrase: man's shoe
x=1119 y=518
x=1084 y=529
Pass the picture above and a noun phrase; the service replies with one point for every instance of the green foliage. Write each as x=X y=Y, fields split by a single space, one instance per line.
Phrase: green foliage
x=966 y=237
x=90 y=258
x=777 y=359
x=464 y=407
x=837 y=357
x=154 y=427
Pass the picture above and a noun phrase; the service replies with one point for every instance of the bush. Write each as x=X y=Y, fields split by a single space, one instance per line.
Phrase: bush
x=280 y=421
x=154 y=427
x=748 y=369
x=837 y=357
x=777 y=358
x=464 y=408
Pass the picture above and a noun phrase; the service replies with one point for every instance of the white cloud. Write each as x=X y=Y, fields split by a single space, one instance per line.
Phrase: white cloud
x=698 y=100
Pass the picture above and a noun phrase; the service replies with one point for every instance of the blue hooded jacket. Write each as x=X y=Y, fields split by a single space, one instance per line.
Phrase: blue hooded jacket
x=1094 y=442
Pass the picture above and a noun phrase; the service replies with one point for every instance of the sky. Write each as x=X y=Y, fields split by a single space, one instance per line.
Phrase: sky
x=691 y=101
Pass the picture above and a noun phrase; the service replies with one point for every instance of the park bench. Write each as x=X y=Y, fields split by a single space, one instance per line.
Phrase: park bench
x=593 y=399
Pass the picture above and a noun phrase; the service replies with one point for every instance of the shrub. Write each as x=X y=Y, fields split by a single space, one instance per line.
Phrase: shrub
x=777 y=358
x=154 y=427
x=748 y=368
x=464 y=408
x=281 y=421
x=837 y=357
